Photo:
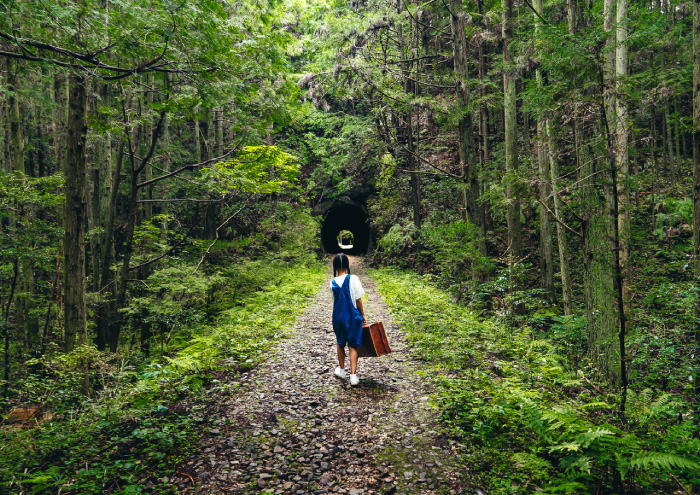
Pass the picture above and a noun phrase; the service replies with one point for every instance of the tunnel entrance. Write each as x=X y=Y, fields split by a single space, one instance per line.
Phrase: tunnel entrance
x=341 y=219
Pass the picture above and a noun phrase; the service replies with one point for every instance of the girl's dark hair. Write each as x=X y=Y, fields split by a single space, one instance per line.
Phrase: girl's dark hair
x=341 y=262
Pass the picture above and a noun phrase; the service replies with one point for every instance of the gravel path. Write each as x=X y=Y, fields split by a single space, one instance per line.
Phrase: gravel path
x=293 y=428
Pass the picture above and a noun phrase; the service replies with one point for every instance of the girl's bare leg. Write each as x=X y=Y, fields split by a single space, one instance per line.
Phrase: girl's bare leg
x=341 y=356
x=353 y=360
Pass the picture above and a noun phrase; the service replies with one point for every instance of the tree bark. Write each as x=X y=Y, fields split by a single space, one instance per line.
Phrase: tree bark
x=75 y=315
x=696 y=203
x=511 y=136
x=622 y=151
x=219 y=124
x=545 y=189
x=609 y=63
x=415 y=177
x=5 y=122
x=467 y=151
x=596 y=228
x=147 y=136
x=61 y=98
x=16 y=139
x=567 y=292
x=27 y=324
x=107 y=312
x=102 y=177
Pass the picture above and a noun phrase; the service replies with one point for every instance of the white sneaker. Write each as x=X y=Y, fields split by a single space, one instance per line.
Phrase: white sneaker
x=340 y=373
x=354 y=380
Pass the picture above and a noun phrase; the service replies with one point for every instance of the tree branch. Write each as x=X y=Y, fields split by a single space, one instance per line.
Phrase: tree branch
x=168 y=252
x=191 y=166
x=450 y=174
x=216 y=238
x=154 y=141
x=558 y=220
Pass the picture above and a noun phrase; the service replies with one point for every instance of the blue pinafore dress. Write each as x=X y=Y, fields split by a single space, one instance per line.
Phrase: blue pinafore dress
x=347 y=319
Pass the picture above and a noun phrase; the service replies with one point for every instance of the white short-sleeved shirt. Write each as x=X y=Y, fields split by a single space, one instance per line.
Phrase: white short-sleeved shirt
x=356 y=290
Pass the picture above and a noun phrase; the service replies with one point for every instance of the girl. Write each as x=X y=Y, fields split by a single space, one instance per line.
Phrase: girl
x=348 y=315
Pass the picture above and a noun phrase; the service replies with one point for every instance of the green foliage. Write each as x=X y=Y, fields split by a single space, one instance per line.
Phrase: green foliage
x=27 y=208
x=673 y=212
x=398 y=241
x=455 y=249
x=141 y=423
x=292 y=233
x=257 y=169
x=522 y=417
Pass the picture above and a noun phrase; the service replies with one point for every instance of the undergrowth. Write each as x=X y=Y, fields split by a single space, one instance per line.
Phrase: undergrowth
x=144 y=420
x=527 y=419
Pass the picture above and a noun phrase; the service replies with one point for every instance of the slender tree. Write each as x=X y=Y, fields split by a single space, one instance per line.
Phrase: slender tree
x=467 y=150
x=622 y=147
x=75 y=313
x=696 y=200
x=511 y=134
x=545 y=189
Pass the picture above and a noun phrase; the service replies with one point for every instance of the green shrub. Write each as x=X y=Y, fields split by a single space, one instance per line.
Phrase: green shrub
x=522 y=417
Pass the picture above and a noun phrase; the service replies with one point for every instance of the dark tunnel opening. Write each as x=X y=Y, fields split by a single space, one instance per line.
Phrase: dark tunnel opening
x=345 y=217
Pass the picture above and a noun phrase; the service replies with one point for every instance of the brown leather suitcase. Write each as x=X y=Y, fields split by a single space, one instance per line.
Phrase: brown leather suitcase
x=374 y=341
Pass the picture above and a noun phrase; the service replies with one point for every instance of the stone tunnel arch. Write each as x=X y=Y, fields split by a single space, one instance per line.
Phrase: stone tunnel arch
x=345 y=216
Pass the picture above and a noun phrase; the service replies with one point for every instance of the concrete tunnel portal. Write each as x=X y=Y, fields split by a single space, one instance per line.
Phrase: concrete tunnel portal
x=345 y=217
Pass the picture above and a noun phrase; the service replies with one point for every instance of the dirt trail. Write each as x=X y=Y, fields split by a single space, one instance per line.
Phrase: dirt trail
x=293 y=428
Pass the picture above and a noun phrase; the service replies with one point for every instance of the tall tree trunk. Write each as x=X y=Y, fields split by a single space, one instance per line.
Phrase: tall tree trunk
x=609 y=63
x=106 y=317
x=219 y=124
x=655 y=162
x=415 y=177
x=679 y=129
x=696 y=202
x=511 y=135
x=405 y=134
x=16 y=139
x=467 y=151
x=669 y=144
x=16 y=162
x=484 y=130
x=5 y=118
x=26 y=323
x=567 y=292
x=131 y=221
x=165 y=163
x=545 y=189
x=147 y=136
x=61 y=98
x=104 y=175
x=75 y=314
x=197 y=142
x=596 y=229
x=622 y=151
x=677 y=134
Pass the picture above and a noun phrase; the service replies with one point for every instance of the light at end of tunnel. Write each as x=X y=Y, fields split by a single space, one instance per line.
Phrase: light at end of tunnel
x=345 y=239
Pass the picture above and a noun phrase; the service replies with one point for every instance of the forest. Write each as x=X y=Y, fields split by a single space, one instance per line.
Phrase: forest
x=519 y=178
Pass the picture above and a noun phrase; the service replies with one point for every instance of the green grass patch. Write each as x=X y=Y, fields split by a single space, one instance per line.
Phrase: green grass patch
x=144 y=422
x=527 y=420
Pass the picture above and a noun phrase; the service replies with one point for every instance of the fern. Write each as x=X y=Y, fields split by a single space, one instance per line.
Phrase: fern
x=591 y=436
x=530 y=462
x=598 y=405
x=566 y=446
x=664 y=460
x=539 y=344
x=569 y=487
x=580 y=463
